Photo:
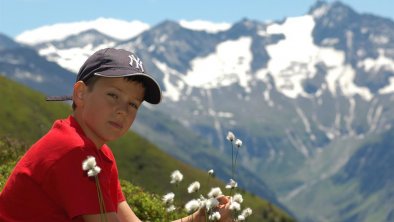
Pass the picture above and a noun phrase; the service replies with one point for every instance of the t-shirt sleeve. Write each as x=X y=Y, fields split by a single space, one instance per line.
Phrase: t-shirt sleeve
x=70 y=187
x=121 y=196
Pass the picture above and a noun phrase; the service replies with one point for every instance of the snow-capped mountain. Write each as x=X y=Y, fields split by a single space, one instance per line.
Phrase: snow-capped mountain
x=306 y=95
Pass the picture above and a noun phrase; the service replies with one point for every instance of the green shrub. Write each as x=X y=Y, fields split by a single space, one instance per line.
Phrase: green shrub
x=11 y=149
x=147 y=206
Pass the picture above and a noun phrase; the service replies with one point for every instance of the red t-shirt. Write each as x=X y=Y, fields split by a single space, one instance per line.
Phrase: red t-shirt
x=49 y=184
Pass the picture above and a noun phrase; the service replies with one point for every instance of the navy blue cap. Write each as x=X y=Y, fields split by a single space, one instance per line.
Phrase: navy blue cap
x=112 y=62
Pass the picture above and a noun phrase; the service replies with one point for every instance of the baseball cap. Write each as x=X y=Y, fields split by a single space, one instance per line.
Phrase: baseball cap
x=112 y=62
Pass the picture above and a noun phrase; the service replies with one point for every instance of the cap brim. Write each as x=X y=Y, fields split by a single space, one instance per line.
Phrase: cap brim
x=152 y=92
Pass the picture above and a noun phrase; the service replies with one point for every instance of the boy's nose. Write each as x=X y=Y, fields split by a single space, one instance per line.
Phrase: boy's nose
x=123 y=108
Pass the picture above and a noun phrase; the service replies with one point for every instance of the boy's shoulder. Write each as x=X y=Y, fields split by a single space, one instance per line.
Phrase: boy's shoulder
x=64 y=137
x=63 y=141
x=64 y=132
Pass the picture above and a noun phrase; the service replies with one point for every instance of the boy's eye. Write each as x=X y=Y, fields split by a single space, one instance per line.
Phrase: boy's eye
x=113 y=95
x=134 y=105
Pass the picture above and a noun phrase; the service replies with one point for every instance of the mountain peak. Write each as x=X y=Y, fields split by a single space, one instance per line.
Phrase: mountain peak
x=334 y=9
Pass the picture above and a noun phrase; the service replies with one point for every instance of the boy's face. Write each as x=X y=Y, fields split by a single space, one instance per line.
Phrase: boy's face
x=106 y=110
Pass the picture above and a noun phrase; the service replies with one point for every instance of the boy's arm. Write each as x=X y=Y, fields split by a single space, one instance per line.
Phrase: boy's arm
x=111 y=217
x=126 y=214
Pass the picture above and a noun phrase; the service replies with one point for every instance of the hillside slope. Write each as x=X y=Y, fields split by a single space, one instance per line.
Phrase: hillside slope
x=25 y=116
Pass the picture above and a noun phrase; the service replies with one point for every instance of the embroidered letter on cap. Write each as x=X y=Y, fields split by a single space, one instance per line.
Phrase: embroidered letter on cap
x=138 y=62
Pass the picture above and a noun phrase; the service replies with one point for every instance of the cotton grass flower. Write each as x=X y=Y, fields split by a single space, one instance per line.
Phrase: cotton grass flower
x=168 y=198
x=176 y=177
x=232 y=184
x=247 y=212
x=90 y=165
x=238 y=198
x=94 y=172
x=214 y=216
x=192 y=205
x=215 y=192
x=170 y=208
x=241 y=218
x=211 y=203
x=211 y=174
x=230 y=136
x=238 y=143
x=193 y=187
x=234 y=206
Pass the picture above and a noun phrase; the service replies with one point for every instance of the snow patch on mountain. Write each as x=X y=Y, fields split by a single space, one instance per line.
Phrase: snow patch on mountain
x=172 y=81
x=230 y=63
x=374 y=65
x=23 y=75
x=388 y=89
x=72 y=58
x=293 y=60
x=115 y=28
x=201 y=25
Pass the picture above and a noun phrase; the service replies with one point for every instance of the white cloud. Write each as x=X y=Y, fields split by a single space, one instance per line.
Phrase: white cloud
x=115 y=28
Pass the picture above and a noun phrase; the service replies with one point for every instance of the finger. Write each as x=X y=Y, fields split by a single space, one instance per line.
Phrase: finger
x=223 y=199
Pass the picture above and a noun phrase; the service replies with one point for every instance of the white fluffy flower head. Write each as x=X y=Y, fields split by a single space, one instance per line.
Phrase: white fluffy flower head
x=90 y=165
x=211 y=203
x=176 y=176
x=238 y=143
x=211 y=172
x=214 y=216
x=247 y=212
x=232 y=184
x=193 y=187
x=215 y=192
x=170 y=208
x=192 y=205
x=230 y=136
x=168 y=198
x=238 y=198
x=234 y=206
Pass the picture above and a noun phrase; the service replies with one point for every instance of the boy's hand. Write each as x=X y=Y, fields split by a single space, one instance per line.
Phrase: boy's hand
x=223 y=208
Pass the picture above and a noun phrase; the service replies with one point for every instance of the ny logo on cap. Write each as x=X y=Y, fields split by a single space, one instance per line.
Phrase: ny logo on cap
x=138 y=62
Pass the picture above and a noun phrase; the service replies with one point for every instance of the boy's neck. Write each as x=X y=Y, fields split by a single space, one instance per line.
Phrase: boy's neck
x=86 y=131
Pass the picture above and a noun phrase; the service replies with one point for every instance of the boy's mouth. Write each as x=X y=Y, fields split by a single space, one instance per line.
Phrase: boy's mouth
x=116 y=125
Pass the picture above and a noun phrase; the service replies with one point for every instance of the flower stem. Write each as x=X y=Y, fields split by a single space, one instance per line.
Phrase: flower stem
x=235 y=163
x=232 y=160
x=103 y=217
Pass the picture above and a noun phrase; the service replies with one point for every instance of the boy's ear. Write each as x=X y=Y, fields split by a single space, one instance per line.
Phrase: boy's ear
x=79 y=92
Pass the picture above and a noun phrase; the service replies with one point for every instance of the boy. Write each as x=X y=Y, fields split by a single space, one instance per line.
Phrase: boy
x=49 y=184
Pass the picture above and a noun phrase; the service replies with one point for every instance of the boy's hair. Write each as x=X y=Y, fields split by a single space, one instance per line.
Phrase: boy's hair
x=92 y=80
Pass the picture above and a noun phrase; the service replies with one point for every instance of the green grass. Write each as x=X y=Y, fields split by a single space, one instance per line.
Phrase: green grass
x=144 y=169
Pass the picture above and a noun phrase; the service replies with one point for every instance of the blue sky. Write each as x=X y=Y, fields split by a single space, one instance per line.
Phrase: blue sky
x=17 y=16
